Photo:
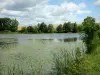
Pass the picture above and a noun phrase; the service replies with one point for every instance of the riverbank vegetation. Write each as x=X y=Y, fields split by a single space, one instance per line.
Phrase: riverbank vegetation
x=87 y=63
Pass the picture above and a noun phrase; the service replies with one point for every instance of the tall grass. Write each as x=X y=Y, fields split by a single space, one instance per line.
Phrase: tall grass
x=18 y=70
x=67 y=63
x=94 y=60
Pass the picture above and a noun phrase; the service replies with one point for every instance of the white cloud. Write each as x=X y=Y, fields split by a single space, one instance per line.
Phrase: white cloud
x=97 y=3
x=12 y=13
x=70 y=6
x=97 y=18
x=84 y=12
x=83 y=5
x=36 y=11
x=20 y=4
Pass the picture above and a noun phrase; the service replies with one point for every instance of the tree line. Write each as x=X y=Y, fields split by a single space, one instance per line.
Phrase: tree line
x=44 y=28
x=7 y=24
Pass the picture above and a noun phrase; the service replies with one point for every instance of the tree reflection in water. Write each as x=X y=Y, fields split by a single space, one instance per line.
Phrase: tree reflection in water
x=66 y=40
x=8 y=43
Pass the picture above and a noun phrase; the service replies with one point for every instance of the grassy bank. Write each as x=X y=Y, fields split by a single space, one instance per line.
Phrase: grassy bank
x=4 y=32
x=93 y=60
x=88 y=64
x=65 y=63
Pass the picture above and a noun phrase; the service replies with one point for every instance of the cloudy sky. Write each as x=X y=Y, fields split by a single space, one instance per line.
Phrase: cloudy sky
x=31 y=12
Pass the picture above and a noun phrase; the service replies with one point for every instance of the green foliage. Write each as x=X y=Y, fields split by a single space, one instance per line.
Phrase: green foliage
x=89 y=29
x=69 y=27
x=59 y=29
x=38 y=26
x=70 y=64
x=98 y=33
x=79 y=28
x=23 y=30
x=14 y=25
x=74 y=28
x=50 y=28
x=42 y=27
x=35 y=29
x=94 y=62
x=18 y=70
x=66 y=27
x=97 y=27
x=7 y=24
x=30 y=29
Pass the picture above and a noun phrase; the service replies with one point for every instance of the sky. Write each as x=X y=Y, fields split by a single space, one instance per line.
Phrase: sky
x=32 y=12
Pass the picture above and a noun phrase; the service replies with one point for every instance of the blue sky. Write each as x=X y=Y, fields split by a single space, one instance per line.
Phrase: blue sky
x=90 y=5
x=32 y=12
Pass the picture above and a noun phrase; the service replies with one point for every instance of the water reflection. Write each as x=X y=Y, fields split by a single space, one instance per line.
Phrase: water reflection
x=60 y=40
x=70 y=40
x=8 y=43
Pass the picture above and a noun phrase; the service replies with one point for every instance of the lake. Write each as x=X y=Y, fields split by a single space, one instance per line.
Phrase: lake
x=35 y=51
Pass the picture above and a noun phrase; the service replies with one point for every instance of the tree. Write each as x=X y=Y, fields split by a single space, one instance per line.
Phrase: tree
x=50 y=28
x=67 y=27
x=13 y=25
x=2 y=28
x=59 y=29
x=80 y=28
x=5 y=24
x=38 y=26
x=89 y=29
x=74 y=28
x=23 y=30
x=8 y=24
x=30 y=29
x=35 y=29
x=98 y=33
x=97 y=27
x=70 y=26
x=43 y=27
x=89 y=26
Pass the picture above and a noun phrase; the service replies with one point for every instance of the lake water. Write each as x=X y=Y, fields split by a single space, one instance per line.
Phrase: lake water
x=35 y=51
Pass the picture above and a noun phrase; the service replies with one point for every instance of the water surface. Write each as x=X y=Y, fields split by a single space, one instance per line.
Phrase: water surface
x=36 y=50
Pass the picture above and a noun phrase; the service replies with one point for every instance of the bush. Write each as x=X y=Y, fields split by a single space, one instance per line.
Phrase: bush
x=23 y=30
